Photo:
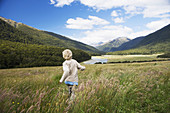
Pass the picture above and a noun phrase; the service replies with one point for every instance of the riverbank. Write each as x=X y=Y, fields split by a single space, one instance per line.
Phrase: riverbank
x=125 y=59
x=95 y=60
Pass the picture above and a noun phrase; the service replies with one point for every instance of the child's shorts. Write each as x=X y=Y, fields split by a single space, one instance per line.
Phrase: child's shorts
x=71 y=83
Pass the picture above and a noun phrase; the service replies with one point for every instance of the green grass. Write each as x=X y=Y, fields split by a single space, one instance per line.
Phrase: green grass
x=131 y=58
x=107 y=88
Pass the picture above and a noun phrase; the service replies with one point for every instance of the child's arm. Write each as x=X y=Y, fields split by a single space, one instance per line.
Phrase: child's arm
x=66 y=72
x=80 y=67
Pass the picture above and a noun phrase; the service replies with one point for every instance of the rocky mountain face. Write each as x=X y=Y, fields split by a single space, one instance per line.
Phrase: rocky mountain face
x=109 y=46
x=129 y=45
x=11 y=22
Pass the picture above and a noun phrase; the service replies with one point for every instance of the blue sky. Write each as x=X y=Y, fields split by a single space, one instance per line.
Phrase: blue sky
x=90 y=21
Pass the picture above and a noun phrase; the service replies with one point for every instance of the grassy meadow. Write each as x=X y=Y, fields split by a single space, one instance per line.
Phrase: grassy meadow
x=131 y=58
x=103 y=88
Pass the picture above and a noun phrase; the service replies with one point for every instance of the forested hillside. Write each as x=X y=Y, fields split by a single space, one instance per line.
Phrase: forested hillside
x=157 y=42
x=161 y=36
x=7 y=32
x=75 y=44
x=49 y=38
x=20 y=49
x=15 y=54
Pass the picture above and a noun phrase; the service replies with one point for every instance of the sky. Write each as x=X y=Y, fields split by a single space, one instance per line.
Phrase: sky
x=90 y=21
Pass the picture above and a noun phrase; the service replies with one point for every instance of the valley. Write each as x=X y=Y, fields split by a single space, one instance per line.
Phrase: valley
x=134 y=80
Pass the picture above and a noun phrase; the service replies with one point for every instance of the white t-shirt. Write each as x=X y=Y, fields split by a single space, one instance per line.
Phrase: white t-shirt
x=70 y=68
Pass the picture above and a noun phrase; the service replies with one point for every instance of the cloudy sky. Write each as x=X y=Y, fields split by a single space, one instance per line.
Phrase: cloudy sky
x=90 y=21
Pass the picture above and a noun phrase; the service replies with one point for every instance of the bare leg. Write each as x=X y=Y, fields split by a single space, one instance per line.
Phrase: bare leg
x=70 y=90
x=73 y=93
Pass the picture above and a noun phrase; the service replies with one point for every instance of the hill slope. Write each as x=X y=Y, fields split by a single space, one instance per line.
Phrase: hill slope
x=7 y=32
x=110 y=46
x=130 y=44
x=159 y=37
x=18 y=49
x=52 y=39
x=157 y=42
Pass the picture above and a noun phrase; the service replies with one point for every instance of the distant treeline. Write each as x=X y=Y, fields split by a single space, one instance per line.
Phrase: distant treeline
x=15 y=54
x=132 y=52
x=166 y=55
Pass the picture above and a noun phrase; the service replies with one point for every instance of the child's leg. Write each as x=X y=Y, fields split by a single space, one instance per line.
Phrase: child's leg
x=70 y=89
x=73 y=92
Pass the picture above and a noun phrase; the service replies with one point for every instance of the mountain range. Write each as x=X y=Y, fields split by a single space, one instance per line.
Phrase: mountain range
x=129 y=44
x=24 y=46
x=111 y=45
x=156 y=42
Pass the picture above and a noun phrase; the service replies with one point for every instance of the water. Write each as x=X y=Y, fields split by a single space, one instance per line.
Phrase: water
x=95 y=60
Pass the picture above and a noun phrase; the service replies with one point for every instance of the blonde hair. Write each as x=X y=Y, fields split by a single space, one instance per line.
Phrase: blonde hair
x=67 y=54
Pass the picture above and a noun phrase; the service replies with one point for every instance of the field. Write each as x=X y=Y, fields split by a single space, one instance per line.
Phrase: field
x=131 y=58
x=103 y=88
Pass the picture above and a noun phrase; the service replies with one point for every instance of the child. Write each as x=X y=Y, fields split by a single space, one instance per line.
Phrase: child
x=70 y=68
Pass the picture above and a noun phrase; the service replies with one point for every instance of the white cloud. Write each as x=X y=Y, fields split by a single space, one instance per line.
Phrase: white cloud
x=156 y=25
x=98 y=31
x=103 y=4
x=111 y=32
x=133 y=10
x=114 y=14
x=61 y=3
x=98 y=21
x=52 y=2
x=105 y=34
x=80 y=23
x=149 y=8
x=152 y=27
x=117 y=16
x=157 y=11
x=118 y=20
x=140 y=33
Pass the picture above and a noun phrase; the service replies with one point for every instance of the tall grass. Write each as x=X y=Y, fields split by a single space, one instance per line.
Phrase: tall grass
x=131 y=58
x=140 y=87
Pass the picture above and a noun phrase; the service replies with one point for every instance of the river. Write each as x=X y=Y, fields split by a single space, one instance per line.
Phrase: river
x=95 y=60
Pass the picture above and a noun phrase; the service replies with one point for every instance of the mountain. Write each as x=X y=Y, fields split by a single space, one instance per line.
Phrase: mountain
x=156 y=42
x=8 y=32
x=49 y=38
x=73 y=43
x=161 y=36
x=14 y=23
x=129 y=45
x=110 y=46
x=19 y=48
